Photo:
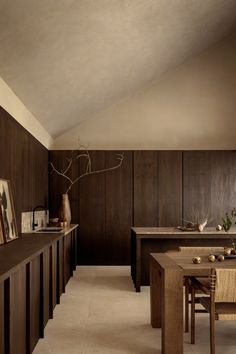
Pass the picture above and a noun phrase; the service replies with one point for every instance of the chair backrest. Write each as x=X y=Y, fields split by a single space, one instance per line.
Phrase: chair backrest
x=199 y=250
x=223 y=285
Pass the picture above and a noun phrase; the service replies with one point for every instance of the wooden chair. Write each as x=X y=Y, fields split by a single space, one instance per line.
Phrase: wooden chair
x=220 y=302
x=196 y=251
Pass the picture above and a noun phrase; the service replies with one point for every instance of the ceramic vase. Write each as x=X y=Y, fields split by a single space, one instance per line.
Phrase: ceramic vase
x=64 y=211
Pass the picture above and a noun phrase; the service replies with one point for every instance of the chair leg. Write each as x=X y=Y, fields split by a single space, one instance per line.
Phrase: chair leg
x=187 y=305
x=192 y=315
x=212 y=329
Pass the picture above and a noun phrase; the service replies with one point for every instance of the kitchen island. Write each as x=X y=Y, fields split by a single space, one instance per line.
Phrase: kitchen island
x=146 y=240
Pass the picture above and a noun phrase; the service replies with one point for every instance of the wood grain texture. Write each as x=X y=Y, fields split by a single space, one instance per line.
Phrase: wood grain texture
x=18 y=312
x=24 y=161
x=209 y=184
x=1 y=317
x=53 y=277
x=166 y=186
x=60 y=268
x=167 y=299
x=68 y=258
x=33 y=303
x=170 y=188
x=29 y=288
x=46 y=286
x=119 y=205
x=145 y=186
x=92 y=243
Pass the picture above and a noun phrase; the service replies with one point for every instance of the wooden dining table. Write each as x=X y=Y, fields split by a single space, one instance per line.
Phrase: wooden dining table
x=167 y=272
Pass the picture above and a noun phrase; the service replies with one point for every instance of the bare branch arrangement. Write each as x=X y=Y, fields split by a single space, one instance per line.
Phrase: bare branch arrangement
x=83 y=152
x=200 y=221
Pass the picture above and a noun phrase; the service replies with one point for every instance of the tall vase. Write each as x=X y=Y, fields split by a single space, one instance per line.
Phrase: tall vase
x=64 y=211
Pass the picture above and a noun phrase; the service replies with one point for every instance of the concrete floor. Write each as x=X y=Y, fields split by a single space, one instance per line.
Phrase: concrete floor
x=101 y=314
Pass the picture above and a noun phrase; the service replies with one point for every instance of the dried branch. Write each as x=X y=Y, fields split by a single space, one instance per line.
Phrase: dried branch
x=88 y=169
x=60 y=173
x=120 y=159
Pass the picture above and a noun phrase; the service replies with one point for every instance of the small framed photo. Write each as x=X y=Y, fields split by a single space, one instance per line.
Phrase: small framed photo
x=7 y=213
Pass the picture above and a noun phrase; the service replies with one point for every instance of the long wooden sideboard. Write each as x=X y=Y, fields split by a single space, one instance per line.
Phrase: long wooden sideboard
x=146 y=240
x=34 y=271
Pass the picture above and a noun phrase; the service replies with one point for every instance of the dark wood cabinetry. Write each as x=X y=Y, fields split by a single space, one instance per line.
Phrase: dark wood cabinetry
x=33 y=274
x=16 y=339
x=1 y=317
x=34 y=323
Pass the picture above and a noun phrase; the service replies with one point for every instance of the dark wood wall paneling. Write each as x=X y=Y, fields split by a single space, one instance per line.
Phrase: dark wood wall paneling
x=145 y=191
x=209 y=184
x=24 y=161
x=152 y=188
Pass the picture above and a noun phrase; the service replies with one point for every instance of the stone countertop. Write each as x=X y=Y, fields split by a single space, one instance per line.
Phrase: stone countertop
x=64 y=231
x=174 y=231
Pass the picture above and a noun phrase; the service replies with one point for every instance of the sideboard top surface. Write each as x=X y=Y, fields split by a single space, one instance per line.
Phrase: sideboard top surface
x=20 y=251
x=172 y=232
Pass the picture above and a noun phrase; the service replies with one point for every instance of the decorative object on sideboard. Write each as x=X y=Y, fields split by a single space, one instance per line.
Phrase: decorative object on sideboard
x=229 y=220
x=196 y=260
x=34 y=223
x=7 y=213
x=64 y=210
x=76 y=156
x=199 y=224
x=219 y=228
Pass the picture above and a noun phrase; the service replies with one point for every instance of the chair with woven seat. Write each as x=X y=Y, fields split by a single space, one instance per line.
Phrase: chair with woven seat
x=196 y=251
x=220 y=302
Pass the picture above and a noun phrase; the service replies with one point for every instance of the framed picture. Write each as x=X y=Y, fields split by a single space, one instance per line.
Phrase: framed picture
x=1 y=233
x=7 y=214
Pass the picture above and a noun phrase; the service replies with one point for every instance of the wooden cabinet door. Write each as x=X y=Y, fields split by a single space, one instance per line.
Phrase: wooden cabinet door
x=53 y=277
x=34 y=310
x=15 y=296
x=2 y=317
x=45 y=275
x=68 y=257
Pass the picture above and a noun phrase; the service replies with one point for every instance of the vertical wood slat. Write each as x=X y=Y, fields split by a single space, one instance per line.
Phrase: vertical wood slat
x=209 y=184
x=17 y=306
x=170 y=188
x=33 y=286
x=46 y=285
x=119 y=200
x=53 y=277
x=145 y=186
x=2 y=342
x=93 y=241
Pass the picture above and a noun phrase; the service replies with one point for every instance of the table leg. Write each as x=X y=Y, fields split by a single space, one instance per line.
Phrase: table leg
x=138 y=266
x=172 y=312
x=166 y=292
x=155 y=294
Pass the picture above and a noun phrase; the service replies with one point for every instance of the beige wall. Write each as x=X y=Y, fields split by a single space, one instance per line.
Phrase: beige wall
x=192 y=107
x=11 y=103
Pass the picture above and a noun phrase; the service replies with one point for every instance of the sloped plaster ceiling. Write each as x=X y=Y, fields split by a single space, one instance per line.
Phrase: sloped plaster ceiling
x=67 y=59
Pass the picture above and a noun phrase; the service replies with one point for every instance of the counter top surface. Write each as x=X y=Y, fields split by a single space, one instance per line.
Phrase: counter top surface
x=172 y=231
x=64 y=231
x=24 y=248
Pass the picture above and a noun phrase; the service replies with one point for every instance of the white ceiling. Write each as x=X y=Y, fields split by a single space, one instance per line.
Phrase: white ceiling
x=66 y=59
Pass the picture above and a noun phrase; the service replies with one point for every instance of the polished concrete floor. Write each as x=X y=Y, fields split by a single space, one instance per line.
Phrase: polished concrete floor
x=101 y=314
